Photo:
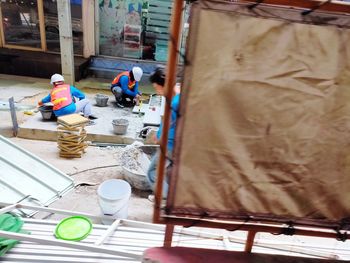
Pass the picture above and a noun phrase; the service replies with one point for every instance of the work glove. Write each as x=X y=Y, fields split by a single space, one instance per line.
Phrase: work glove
x=137 y=100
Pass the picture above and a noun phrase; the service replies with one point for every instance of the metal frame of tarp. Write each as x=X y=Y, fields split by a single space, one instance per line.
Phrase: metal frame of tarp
x=96 y=247
x=170 y=220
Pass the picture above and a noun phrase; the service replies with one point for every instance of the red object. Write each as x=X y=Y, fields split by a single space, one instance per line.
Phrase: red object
x=199 y=255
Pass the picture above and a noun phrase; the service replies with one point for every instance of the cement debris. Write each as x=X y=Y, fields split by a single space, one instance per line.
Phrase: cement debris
x=130 y=157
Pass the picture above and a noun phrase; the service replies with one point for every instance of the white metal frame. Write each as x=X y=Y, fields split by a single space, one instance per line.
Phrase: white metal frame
x=228 y=242
x=97 y=247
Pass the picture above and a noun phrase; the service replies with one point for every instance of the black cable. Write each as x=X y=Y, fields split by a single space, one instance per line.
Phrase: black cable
x=241 y=225
x=309 y=11
x=288 y=231
x=196 y=221
x=258 y=2
x=341 y=236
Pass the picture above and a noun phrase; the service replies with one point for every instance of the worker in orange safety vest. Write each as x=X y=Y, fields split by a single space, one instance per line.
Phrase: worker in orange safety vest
x=125 y=87
x=63 y=97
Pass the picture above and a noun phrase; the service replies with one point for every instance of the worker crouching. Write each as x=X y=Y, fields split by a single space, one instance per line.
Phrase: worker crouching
x=125 y=87
x=67 y=99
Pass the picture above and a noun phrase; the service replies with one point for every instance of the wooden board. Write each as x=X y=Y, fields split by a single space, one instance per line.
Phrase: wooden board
x=72 y=120
x=71 y=139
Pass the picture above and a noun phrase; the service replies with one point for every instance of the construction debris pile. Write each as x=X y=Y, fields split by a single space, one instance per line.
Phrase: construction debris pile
x=130 y=157
x=135 y=164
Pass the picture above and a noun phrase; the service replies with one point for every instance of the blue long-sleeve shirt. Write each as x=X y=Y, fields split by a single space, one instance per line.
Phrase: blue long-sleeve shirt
x=69 y=109
x=175 y=103
x=123 y=83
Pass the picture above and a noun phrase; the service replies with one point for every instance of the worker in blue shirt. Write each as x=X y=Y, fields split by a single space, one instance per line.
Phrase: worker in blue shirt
x=158 y=79
x=126 y=86
x=63 y=96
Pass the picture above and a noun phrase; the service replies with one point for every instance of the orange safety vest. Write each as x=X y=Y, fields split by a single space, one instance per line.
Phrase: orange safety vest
x=61 y=96
x=131 y=84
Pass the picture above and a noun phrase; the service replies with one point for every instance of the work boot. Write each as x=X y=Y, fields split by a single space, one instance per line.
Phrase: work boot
x=119 y=105
x=92 y=117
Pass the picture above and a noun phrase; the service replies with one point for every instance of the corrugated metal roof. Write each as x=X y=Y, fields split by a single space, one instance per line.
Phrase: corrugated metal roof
x=126 y=240
x=136 y=237
x=24 y=176
x=130 y=238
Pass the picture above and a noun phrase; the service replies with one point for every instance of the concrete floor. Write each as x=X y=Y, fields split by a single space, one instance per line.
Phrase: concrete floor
x=96 y=166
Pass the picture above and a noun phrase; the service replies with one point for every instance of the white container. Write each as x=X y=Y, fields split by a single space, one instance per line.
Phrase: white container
x=113 y=196
x=121 y=214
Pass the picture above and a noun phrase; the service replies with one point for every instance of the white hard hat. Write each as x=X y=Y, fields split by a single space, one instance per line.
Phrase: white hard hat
x=137 y=71
x=56 y=78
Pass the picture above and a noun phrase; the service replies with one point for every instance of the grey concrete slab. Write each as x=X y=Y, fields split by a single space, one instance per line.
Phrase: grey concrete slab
x=36 y=128
x=21 y=88
x=29 y=91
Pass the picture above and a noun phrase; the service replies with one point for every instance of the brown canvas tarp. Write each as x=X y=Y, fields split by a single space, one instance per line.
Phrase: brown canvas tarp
x=264 y=127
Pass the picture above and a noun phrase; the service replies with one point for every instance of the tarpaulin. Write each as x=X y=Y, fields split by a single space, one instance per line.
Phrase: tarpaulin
x=264 y=126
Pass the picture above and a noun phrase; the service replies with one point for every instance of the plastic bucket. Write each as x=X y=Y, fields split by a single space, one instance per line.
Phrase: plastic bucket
x=113 y=197
x=120 y=126
x=47 y=112
x=101 y=100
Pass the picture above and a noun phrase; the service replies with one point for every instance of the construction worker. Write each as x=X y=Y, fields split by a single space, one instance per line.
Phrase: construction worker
x=157 y=79
x=63 y=97
x=126 y=86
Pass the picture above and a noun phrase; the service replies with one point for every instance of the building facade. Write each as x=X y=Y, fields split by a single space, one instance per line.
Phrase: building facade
x=133 y=30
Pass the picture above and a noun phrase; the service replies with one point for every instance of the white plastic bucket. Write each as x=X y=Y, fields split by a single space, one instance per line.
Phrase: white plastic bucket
x=113 y=196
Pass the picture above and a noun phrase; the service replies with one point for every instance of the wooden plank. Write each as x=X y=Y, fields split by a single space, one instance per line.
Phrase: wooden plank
x=97 y=28
x=71 y=141
x=66 y=40
x=42 y=25
x=161 y=23
x=158 y=3
x=72 y=119
x=157 y=36
x=159 y=9
x=157 y=29
x=250 y=241
x=176 y=25
x=21 y=47
x=88 y=28
x=2 y=36
x=168 y=237
x=158 y=16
